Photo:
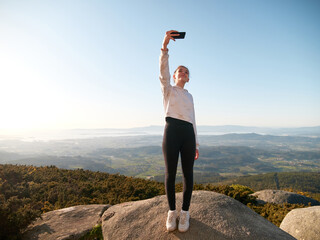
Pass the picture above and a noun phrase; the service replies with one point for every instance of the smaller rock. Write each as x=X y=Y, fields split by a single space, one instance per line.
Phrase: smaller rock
x=280 y=196
x=303 y=223
x=67 y=223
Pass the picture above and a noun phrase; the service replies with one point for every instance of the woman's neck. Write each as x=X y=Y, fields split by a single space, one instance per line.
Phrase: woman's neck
x=180 y=84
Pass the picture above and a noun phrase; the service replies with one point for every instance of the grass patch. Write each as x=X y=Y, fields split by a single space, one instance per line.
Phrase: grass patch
x=94 y=234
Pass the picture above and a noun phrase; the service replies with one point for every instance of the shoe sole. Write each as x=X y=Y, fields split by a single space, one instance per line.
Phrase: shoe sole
x=180 y=230
x=171 y=230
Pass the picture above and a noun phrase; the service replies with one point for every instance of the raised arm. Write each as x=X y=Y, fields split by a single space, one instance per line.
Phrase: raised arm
x=164 y=63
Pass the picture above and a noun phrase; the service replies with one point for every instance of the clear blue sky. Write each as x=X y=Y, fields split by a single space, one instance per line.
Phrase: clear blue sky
x=94 y=64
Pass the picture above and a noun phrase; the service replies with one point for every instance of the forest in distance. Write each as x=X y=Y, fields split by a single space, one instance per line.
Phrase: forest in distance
x=221 y=156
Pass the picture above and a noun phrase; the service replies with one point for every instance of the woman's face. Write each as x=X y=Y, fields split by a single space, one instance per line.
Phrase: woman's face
x=181 y=73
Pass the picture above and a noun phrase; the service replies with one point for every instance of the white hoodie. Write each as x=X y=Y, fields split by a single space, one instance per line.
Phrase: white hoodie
x=177 y=101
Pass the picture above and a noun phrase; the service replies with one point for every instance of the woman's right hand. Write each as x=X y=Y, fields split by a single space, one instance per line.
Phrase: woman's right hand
x=197 y=154
x=169 y=35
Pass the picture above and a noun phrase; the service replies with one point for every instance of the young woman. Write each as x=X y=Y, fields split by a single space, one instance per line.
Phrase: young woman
x=180 y=136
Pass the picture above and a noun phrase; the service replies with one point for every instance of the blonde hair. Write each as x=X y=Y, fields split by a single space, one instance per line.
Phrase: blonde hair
x=183 y=67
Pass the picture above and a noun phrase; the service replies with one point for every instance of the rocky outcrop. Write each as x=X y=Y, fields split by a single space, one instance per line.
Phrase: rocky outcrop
x=303 y=223
x=67 y=223
x=279 y=197
x=213 y=216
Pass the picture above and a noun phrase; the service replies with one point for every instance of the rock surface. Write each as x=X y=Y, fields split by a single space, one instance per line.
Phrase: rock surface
x=213 y=216
x=279 y=197
x=67 y=223
x=303 y=223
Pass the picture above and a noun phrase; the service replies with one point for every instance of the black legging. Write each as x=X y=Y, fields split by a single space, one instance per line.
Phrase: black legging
x=178 y=138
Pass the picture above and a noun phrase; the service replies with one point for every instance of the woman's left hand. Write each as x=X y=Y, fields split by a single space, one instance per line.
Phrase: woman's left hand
x=197 y=154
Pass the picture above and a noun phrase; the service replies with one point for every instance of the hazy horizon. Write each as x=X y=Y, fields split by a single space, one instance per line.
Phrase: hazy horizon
x=203 y=130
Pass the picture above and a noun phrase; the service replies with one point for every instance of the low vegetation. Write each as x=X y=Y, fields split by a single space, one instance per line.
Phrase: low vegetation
x=300 y=182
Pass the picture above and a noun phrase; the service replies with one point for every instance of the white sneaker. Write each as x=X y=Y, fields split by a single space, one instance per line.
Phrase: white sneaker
x=172 y=220
x=184 y=221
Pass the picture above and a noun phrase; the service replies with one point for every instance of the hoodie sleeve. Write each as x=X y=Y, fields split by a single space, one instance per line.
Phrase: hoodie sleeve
x=164 y=73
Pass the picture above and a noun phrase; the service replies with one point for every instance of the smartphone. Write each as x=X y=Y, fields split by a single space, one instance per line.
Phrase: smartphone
x=181 y=35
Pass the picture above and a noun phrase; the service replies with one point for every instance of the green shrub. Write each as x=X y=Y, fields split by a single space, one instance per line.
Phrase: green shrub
x=94 y=234
x=238 y=192
x=275 y=213
x=15 y=214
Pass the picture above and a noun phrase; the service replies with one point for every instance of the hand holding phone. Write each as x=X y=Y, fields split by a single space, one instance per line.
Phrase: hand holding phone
x=172 y=35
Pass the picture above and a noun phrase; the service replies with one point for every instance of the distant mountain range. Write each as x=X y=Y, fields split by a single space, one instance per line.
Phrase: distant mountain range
x=205 y=130
x=217 y=130
x=301 y=131
x=158 y=130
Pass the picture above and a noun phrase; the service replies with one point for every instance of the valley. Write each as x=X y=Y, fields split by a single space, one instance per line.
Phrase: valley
x=221 y=156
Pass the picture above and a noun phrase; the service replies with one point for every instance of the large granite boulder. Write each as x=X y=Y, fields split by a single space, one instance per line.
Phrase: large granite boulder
x=213 y=216
x=280 y=196
x=303 y=223
x=67 y=223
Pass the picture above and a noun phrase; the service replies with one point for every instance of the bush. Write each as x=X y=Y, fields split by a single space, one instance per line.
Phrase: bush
x=238 y=192
x=15 y=214
x=94 y=234
x=275 y=213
